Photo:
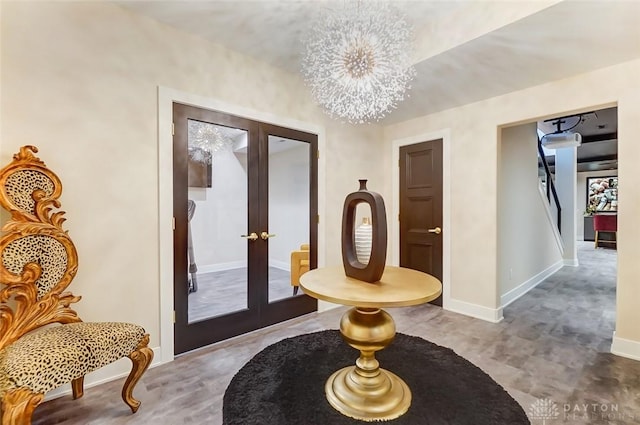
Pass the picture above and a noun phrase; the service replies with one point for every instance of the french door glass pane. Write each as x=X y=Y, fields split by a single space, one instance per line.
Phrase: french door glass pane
x=288 y=215
x=217 y=217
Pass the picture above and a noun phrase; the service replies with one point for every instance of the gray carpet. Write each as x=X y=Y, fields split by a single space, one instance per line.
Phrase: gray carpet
x=526 y=353
x=284 y=385
x=226 y=291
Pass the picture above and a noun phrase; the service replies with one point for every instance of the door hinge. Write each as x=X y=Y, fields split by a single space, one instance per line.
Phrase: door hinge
x=398 y=217
x=174 y=316
x=173 y=129
x=318 y=154
x=318 y=218
x=173 y=223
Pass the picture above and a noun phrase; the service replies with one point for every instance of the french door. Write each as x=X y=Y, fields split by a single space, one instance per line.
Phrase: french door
x=245 y=199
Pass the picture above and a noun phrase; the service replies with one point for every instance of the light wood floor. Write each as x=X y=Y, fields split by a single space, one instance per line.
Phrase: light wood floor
x=553 y=343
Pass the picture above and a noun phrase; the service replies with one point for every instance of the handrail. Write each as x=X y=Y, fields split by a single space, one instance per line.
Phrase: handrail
x=550 y=185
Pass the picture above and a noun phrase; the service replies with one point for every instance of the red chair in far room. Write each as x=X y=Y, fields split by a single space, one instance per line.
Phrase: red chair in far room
x=605 y=223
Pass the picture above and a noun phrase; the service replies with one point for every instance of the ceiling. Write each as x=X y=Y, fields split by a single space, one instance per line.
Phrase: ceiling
x=599 y=131
x=564 y=39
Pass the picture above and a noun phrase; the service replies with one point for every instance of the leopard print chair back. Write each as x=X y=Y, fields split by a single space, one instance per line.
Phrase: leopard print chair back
x=37 y=263
x=38 y=259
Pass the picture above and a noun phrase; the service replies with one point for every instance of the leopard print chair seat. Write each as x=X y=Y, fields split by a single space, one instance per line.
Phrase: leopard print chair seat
x=43 y=342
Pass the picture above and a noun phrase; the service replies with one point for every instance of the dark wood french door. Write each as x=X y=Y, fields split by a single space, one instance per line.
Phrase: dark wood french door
x=421 y=208
x=245 y=198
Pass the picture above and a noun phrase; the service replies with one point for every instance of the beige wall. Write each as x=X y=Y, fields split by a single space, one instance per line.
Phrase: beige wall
x=346 y=163
x=473 y=170
x=80 y=81
x=474 y=153
x=527 y=244
x=628 y=291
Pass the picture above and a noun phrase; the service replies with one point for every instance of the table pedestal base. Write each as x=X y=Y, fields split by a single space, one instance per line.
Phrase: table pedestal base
x=386 y=401
x=365 y=391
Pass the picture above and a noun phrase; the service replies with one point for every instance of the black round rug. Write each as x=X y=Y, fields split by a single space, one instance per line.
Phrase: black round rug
x=284 y=385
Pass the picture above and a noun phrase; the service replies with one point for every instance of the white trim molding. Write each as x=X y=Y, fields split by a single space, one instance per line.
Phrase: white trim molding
x=493 y=315
x=552 y=221
x=625 y=347
x=282 y=265
x=529 y=284
x=445 y=135
x=220 y=267
x=326 y=305
x=571 y=262
x=166 y=97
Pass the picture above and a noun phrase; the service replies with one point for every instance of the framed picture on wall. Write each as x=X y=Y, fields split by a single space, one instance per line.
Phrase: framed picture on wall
x=602 y=194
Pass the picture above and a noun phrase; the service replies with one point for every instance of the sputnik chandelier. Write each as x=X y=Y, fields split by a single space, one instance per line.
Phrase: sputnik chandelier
x=358 y=60
x=204 y=140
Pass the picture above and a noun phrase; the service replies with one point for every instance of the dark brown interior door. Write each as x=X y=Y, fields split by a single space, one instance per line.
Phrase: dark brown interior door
x=421 y=208
x=231 y=256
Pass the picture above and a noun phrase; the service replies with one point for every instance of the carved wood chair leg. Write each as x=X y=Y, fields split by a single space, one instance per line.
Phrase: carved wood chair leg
x=77 y=387
x=18 y=406
x=141 y=359
x=596 y=239
x=295 y=290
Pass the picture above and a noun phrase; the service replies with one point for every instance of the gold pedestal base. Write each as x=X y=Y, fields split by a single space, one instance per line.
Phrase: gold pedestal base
x=388 y=400
x=365 y=391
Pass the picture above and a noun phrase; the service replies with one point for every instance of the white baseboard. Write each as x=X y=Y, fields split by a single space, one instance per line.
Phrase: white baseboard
x=625 y=348
x=571 y=262
x=550 y=218
x=529 y=284
x=282 y=265
x=110 y=372
x=326 y=305
x=220 y=267
x=493 y=315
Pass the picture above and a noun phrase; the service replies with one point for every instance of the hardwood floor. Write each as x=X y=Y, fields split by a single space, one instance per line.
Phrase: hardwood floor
x=553 y=343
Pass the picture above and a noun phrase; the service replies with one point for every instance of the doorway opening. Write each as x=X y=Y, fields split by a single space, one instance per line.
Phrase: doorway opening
x=573 y=283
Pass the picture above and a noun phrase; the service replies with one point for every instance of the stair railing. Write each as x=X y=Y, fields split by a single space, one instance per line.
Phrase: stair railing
x=551 y=187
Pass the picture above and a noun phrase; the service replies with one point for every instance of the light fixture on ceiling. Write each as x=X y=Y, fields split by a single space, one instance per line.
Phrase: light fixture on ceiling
x=358 y=60
x=205 y=140
x=563 y=138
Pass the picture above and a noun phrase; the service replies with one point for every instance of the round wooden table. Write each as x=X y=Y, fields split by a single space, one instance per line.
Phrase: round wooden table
x=365 y=391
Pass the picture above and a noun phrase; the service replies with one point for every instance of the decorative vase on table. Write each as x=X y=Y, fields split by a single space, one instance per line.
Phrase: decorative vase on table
x=363 y=237
x=353 y=267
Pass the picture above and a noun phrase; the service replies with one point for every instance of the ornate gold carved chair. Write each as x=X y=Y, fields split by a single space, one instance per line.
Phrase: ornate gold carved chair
x=37 y=262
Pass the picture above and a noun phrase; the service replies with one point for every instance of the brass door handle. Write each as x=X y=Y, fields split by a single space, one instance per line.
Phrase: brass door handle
x=252 y=237
x=265 y=235
x=435 y=230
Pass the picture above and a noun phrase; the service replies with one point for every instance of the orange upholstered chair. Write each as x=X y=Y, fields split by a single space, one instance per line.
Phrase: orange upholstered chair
x=299 y=265
x=605 y=223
